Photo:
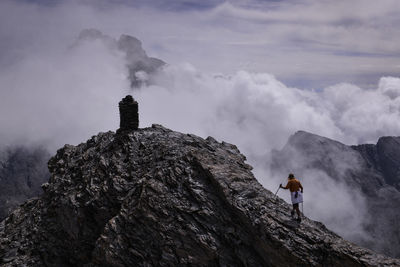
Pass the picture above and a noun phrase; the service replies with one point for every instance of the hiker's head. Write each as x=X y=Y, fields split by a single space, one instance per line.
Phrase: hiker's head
x=291 y=176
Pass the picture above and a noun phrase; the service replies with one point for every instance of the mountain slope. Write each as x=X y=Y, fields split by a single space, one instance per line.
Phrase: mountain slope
x=370 y=170
x=22 y=171
x=155 y=197
x=384 y=158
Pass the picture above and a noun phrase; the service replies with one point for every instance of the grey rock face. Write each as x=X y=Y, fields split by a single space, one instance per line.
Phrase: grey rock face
x=370 y=169
x=137 y=60
x=22 y=171
x=384 y=158
x=388 y=153
x=154 y=197
x=345 y=164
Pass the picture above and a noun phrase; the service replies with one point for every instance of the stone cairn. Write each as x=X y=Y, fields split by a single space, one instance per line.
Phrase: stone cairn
x=129 y=114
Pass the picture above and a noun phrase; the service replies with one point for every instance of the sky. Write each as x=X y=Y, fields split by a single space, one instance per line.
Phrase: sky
x=328 y=67
x=247 y=72
x=304 y=43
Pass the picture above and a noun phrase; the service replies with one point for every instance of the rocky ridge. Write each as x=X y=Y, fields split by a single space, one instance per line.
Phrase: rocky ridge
x=372 y=170
x=155 y=197
x=383 y=158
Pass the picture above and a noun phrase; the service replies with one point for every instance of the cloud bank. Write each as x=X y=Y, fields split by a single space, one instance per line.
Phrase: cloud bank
x=258 y=113
x=246 y=106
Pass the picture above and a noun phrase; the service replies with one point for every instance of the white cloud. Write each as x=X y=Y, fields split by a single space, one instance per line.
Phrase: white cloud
x=258 y=113
x=390 y=87
x=63 y=97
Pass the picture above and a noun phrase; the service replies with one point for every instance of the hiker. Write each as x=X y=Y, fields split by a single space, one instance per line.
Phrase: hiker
x=296 y=194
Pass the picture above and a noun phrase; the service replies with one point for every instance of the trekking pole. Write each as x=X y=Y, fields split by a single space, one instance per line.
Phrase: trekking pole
x=277 y=190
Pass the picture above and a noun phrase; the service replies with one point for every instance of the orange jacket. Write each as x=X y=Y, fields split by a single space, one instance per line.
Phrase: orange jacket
x=294 y=185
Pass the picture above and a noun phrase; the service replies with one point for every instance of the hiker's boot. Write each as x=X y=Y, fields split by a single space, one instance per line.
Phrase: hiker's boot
x=298 y=219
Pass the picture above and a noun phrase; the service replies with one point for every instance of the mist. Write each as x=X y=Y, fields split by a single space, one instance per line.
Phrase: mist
x=258 y=113
x=220 y=81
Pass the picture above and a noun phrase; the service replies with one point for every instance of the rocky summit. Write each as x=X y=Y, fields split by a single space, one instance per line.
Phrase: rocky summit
x=155 y=197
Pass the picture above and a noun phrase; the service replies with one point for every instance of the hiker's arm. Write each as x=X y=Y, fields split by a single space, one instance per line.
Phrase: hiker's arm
x=285 y=187
x=301 y=187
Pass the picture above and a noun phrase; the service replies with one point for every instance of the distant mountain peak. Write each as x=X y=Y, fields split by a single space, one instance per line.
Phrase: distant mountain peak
x=307 y=138
x=136 y=58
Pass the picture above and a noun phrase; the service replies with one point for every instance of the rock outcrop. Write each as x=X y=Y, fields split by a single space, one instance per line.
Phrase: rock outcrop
x=384 y=158
x=155 y=197
x=372 y=170
x=139 y=65
x=22 y=171
x=138 y=62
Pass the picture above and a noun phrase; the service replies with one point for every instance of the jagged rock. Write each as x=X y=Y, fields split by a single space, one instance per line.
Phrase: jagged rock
x=388 y=153
x=137 y=59
x=138 y=63
x=373 y=170
x=22 y=171
x=305 y=151
x=155 y=197
x=384 y=158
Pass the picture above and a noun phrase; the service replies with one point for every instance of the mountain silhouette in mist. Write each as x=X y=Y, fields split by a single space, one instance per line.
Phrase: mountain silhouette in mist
x=371 y=170
x=138 y=64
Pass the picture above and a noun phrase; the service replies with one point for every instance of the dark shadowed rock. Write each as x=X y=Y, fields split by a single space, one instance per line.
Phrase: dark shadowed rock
x=22 y=171
x=388 y=153
x=155 y=197
x=384 y=158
